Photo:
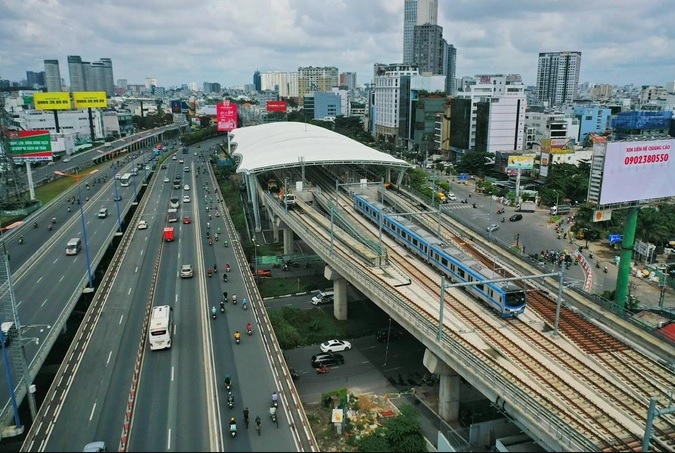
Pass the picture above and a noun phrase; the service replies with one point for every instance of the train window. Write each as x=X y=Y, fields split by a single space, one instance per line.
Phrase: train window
x=480 y=287
x=461 y=273
x=444 y=261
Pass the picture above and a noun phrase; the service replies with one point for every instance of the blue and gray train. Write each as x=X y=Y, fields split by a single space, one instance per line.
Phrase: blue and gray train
x=504 y=297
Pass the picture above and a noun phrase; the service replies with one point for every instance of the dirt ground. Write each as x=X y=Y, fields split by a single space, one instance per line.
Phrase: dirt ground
x=365 y=414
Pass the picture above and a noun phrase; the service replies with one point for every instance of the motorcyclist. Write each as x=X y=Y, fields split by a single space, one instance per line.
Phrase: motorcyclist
x=233 y=424
x=35 y=225
x=210 y=271
x=275 y=398
x=228 y=380
x=224 y=277
x=222 y=305
x=248 y=327
x=53 y=219
x=237 y=335
x=213 y=311
x=215 y=267
x=227 y=267
x=49 y=227
x=244 y=304
x=246 y=416
x=208 y=224
x=230 y=399
x=21 y=239
x=503 y=219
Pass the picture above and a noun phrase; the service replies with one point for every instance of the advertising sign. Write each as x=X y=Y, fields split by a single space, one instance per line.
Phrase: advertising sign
x=614 y=238
x=276 y=106
x=636 y=171
x=90 y=99
x=33 y=146
x=602 y=215
x=522 y=162
x=52 y=101
x=175 y=106
x=226 y=116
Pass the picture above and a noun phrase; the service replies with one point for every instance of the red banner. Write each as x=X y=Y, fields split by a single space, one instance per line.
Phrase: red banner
x=276 y=106
x=226 y=116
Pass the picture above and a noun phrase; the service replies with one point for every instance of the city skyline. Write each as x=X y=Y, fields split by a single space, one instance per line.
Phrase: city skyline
x=490 y=37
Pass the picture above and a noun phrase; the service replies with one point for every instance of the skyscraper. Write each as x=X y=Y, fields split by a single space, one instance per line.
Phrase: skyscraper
x=317 y=79
x=257 y=82
x=348 y=80
x=416 y=12
x=35 y=79
x=558 y=77
x=108 y=77
x=450 y=68
x=52 y=75
x=428 y=48
x=78 y=82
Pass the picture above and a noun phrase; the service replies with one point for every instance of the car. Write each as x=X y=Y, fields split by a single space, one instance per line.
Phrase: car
x=186 y=271
x=103 y=213
x=515 y=217
x=177 y=177
x=117 y=197
x=118 y=176
x=166 y=179
x=388 y=333
x=335 y=346
x=186 y=187
x=163 y=166
x=186 y=198
x=327 y=359
x=493 y=227
x=67 y=159
x=174 y=157
x=187 y=169
x=452 y=197
x=187 y=219
x=263 y=273
x=180 y=161
x=323 y=297
x=142 y=225
x=99 y=445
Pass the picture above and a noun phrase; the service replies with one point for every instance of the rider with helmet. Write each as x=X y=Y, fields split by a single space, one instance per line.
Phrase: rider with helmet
x=249 y=329
x=237 y=335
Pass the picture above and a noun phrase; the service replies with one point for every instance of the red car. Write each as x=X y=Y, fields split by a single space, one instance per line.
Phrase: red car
x=187 y=219
x=264 y=273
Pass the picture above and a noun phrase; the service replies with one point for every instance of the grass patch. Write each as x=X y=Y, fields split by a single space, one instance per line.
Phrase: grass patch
x=274 y=287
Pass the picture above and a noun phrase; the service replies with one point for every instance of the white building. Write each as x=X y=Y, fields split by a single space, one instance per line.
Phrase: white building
x=284 y=83
x=70 y=121
x=558 y=77
x=507 y=106
x=387 y=96
x=345 y=101
x=561 y=128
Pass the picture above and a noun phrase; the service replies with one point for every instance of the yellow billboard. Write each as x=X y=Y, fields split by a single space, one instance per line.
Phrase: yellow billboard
x=522 y=162
x=56 y=100
x=90 y=99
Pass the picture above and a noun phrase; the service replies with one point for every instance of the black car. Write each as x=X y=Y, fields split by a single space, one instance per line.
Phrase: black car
x=163 y=167
x=393 y=334
x=515 y=217
x=327 y=359
x=117 y=197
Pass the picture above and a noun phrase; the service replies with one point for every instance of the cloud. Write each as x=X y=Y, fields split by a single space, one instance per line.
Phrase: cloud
x=225 y=41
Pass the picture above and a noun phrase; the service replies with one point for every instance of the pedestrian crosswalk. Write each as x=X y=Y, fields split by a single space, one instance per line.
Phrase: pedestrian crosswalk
x=453 y=207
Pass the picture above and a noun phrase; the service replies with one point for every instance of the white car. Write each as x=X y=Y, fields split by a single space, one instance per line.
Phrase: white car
x=452 y=197
x=335 y=346
x=142 y=225
x=174 y=157
x=186 y=198
x=493 y=227
x=186 y=187
x=166 y=179
x=186 y=271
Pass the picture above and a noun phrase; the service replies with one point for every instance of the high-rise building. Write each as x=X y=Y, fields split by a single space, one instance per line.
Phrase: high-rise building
x=284 y=83
x=257 y=82
x=35 y=79
x=450 y=68
x=150 y=81
x=122 y=83
x=316 y=79
x=558 y=77
x=348 y=80
x=53 y=76
x=108 y=77
x=428 y=48
x=416 y=12
x=78 y=81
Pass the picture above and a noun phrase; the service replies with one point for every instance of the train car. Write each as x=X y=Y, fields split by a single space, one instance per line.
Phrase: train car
x=506 y=298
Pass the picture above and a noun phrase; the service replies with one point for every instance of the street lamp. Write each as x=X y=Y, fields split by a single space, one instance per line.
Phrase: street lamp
x=117 y=203
x=78 y=176
x=134 y=172
x=255 y=259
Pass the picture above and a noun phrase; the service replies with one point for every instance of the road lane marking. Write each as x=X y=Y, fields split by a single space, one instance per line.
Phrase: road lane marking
x=108 y=361
x=43 y=303
x=168 y=440
x=172 y=373
x=121 y=318
x=92 y=412
x=129 y=292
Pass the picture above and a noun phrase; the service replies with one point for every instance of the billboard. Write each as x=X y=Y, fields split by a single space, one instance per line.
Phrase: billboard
x=56 y=100
x=90 y=99
x=226 y=116
x=276 y=106
x=636 y=171
x=521 y=162
x=32 y=146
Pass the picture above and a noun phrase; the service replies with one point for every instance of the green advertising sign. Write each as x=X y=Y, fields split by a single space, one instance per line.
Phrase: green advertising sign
x=30 y=145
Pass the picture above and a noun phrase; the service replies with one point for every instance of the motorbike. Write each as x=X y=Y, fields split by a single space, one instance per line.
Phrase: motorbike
x=210 y=241
x=273 y=414
x=230 y=402
x=35 y=225
x=227 y=267
x=53 y=219
x=244 y=305
x=237 y=339
x=21 y=240
x=233 y=428
x=222 y=306
x=210 y=272
x=590 y=256
x=213 y=313
x=234 y=299
x=225 y=243
x=225 y=278
x=323 y=369
x=249 y=331
x=605 y=270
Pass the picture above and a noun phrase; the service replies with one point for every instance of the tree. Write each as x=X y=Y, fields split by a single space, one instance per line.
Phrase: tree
x=402 y=433
x=474 y=163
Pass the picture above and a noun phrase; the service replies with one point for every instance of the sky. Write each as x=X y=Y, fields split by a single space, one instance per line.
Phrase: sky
x=225 y=41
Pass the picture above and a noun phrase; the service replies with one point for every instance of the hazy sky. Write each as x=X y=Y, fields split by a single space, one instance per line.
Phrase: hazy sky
x=225 y=41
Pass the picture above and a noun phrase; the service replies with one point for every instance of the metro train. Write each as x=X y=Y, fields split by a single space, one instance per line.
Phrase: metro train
x=506 y=298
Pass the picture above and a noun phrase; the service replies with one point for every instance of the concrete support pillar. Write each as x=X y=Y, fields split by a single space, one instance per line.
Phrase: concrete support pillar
x=275 y=229
x=449 y=386
x=253 y=197
x=288 y=241
x=339 y=293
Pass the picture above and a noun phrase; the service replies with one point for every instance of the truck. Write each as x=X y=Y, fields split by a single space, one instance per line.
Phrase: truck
x=287 y=199
x=272 y=186
x=526 y=206
x=168 y=234
x=560 y=209
x=173 y=215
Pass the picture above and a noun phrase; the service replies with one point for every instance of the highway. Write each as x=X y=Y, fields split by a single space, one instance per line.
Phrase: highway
x=180 y=400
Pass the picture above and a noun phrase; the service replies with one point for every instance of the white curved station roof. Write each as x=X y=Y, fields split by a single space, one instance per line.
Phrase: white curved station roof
x=286 y=144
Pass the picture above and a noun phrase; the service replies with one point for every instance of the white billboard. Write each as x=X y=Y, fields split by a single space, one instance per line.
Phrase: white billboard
x=637 y=171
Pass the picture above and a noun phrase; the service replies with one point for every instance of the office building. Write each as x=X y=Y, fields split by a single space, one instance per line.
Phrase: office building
x=416 y=12
x=558 y=77
x=76 y=74
x=593 y=119
x=284 y=83
x=390 y=103
x=107 y=77
x=35 y=79
x=257 y=83
x=327 y=105
x=428 y=48
x=450 y=68
x=348 y=80
x=53 y=76
x=312 y=78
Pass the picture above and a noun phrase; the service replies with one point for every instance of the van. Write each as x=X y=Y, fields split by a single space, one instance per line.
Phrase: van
x=8 y=332
x=103 y=213
x=74 y=246
x=323 y=297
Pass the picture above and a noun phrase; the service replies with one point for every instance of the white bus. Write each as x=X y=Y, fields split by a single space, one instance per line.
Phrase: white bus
x=161 y=327
x=125 y=180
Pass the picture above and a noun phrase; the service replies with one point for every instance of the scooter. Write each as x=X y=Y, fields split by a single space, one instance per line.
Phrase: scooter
x=249 y=332
x=210 y=272
x=323 y=369
x=244 y=305
x=225 y=278
x=213 y=313
x=227 y=267
x=234 y=299
x=230 y=402
x=222 y=306
x=233 y=429
x=273 y=414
